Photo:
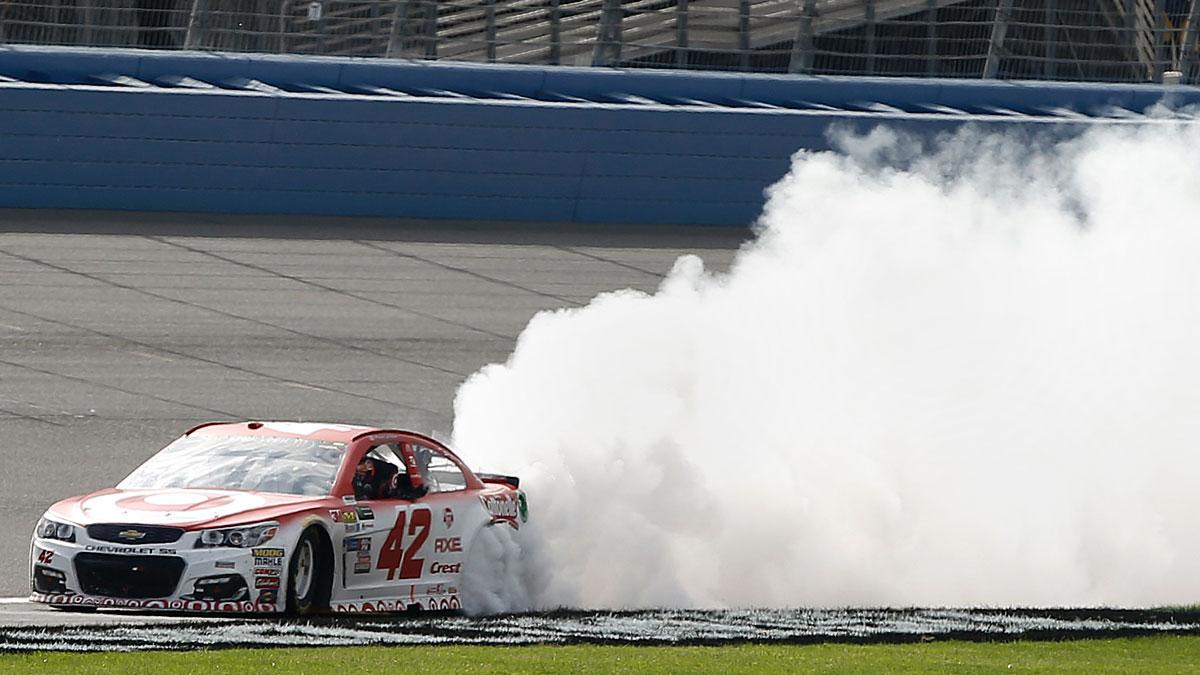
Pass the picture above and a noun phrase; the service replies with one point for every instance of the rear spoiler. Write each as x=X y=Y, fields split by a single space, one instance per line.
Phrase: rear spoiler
x=512 y=481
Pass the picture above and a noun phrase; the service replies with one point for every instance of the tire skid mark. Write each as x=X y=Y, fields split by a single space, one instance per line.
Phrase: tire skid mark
x=660 y=627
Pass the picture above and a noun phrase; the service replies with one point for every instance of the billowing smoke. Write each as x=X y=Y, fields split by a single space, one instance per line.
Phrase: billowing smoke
x=960 y=374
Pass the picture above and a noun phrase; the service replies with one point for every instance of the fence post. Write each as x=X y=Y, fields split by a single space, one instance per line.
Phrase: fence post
x=89 y=21
x=1160 y=44
x=608 y=37
x=991 y=67
x=322 y=32
x=491 y=31
x=1130 y=28
x=1188 y=58
x=195 y=30
x=399 y=17
x=931 y=38
x=376 y=28
x=1049 y=36
x=744 y=34
x=869 y=20
x=681 y=34
x=284 y=6
x=802 y=48
x=56 y=26
x=555 y=32
x=430 y=30
x=262 y=27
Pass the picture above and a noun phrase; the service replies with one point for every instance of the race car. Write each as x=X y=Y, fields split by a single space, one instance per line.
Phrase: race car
x=273 y=517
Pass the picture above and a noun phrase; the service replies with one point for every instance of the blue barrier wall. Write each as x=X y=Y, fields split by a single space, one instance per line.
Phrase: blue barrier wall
x=291 y=135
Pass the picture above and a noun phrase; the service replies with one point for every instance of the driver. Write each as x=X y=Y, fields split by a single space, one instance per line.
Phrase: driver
x=366 y=479
x=377 y=479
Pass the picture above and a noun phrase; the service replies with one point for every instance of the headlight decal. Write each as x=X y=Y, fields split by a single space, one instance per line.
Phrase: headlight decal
x=53 y=529
x=246 y=536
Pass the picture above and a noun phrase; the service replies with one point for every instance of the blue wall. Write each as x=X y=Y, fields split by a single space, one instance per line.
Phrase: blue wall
x=291 y=135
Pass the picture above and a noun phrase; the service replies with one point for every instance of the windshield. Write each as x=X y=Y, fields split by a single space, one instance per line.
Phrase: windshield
x=295 y=466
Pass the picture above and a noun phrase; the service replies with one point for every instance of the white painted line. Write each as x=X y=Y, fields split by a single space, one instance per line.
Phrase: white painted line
x=13 y=601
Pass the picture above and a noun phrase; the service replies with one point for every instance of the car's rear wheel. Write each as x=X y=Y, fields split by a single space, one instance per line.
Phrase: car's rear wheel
x=309 y=575
x=491 y=580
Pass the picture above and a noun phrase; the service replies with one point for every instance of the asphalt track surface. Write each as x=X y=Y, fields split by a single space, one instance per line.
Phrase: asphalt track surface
x=119 y=331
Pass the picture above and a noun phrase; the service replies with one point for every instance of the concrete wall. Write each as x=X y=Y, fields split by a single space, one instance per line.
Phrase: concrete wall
x=293 y=135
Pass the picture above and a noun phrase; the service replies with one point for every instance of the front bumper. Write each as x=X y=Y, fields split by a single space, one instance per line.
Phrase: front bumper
x=176 y=576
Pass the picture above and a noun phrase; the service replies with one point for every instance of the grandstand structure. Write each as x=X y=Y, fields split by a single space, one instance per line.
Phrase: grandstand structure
x=1083 y=40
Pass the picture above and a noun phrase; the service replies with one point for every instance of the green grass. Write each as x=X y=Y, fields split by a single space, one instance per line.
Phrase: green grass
x=1166 y=654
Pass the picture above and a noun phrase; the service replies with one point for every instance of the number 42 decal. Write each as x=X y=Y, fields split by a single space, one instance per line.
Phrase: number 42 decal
x=395 y=555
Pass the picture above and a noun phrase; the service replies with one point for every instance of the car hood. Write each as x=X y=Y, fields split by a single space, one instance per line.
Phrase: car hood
x=180 y=507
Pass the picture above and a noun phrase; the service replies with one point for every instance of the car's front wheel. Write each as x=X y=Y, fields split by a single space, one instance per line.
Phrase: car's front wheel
x=309 y=573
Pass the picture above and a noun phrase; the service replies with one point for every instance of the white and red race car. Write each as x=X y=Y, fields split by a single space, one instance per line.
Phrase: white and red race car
x=277 y=516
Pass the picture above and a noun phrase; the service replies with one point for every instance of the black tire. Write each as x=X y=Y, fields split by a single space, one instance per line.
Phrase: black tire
x=308 y=590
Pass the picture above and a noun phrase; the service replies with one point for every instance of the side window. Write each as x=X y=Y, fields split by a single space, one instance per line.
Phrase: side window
x=440 y=474
x=374 y=473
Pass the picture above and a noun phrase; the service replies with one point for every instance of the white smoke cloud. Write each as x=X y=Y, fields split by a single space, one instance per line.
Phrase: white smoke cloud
x=964 y=374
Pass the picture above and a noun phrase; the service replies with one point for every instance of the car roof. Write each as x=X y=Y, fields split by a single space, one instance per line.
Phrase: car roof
x=316 y=431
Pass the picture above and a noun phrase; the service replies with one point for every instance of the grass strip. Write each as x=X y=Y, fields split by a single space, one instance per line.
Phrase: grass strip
x=1159 y=654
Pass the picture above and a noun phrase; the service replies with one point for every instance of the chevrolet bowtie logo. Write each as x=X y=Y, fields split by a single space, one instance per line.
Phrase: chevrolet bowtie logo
x=131 y=535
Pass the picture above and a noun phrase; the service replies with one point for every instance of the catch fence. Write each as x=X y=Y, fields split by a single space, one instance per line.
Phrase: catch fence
x=1089 y=40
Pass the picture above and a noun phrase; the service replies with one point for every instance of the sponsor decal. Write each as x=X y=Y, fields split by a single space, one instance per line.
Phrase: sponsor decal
x=351 y=528
x=266 y=582
x=447 y=545
x=266 y=571
x=268 y=552
x=244 y=606
x=362 y=563
x=174 y=507
x=443 y=604
x=522 y=506
x=448 y=517
x=268 y=597
x=445 y=568
x=349 y=500
x=45 y=557
x=371 y=606
x=268 y=562
x=502 y=507
x=357 y=544
x=351 y=516
x=130 y=550
x=385 y=439
x=225 y=565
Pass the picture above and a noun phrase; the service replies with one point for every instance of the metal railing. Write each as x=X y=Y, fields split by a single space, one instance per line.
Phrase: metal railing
x=1100 y=40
